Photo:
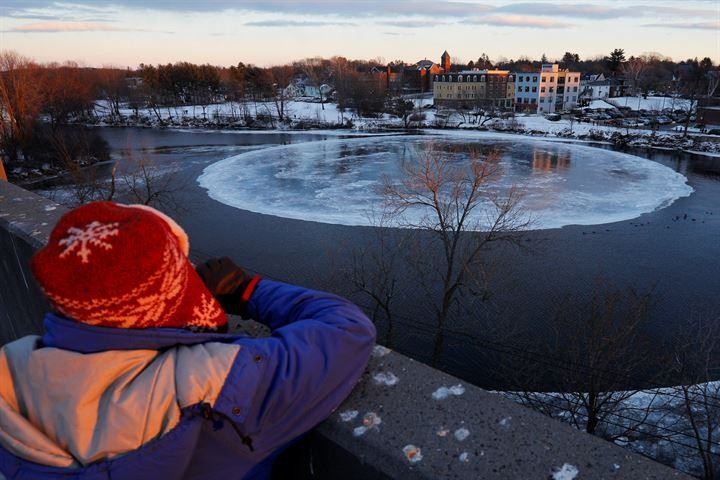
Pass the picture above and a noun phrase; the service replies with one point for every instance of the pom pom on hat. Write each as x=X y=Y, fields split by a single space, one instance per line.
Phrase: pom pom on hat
x=124 y=266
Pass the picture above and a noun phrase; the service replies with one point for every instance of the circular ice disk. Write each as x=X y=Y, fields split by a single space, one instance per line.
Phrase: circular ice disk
x=340 y=181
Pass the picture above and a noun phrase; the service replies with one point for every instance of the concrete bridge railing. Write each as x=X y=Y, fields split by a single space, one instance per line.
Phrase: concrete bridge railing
x=404 y=419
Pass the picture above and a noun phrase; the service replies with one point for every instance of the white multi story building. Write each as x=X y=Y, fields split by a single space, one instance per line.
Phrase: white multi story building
x=547 y=91
x=527 y=86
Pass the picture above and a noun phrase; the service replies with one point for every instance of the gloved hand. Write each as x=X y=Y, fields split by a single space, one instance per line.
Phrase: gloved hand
x=228 y=283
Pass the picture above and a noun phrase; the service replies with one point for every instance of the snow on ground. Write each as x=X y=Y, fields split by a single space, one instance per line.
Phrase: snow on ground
x=650 y=103
x=542 y=124
x=327 y=113
x=601 y=104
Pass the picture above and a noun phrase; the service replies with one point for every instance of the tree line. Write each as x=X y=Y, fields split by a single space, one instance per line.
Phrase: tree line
x=37 y=101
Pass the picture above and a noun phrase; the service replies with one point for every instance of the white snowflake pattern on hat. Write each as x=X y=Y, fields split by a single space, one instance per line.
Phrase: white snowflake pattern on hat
x=205 y=315
x=94 y=234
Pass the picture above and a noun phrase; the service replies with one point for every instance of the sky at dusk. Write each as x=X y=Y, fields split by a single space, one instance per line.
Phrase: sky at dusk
x=267 y=32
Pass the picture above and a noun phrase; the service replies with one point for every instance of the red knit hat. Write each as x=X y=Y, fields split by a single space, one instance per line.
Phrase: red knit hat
x=124 y=266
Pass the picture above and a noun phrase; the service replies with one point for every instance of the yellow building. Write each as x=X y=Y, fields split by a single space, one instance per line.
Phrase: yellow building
x=475 y=89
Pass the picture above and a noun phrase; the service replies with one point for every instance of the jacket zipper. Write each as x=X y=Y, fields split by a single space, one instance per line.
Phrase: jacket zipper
x=209 y=414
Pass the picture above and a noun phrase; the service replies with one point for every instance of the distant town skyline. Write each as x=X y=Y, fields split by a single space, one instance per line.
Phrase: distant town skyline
x=222 y=32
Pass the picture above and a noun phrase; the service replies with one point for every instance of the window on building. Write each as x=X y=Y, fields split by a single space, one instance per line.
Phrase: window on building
x=519 y=100
x=482 y=78
x=459 y=78
x=527 y=89
x=542 y=89
x=534 y=79
x=552 y=89
x=552 y=79
x=474 y=78
x=543 y=78
x=532 y=100
x=534 y=89
x=443 y=78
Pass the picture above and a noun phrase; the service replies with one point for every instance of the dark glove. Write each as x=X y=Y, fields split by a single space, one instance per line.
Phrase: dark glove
x=228 y=283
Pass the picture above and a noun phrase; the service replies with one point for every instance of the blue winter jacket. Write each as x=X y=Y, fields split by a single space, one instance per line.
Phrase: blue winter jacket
x=96 y=403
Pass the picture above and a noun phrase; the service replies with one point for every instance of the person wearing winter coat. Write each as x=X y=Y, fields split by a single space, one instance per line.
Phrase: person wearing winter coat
x=135 y=376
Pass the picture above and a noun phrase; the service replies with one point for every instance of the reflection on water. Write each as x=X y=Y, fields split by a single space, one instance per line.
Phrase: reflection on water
x=545 y=161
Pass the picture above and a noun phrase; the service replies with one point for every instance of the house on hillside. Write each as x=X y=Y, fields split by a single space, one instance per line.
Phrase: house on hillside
x=596 y=87
x=302 y=88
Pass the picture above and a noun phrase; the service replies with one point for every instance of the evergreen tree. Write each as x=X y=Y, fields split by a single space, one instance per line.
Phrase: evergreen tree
x=615 y=59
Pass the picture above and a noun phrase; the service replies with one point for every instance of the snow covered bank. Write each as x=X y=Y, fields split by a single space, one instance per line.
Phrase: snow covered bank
x=258 y=116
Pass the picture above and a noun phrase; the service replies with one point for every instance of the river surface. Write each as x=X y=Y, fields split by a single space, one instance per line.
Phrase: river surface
x=294 y=207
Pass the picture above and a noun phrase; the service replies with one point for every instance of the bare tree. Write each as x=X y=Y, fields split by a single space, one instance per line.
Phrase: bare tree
x=113 y=88
x=373 y=272
x=450 y=198
x=695 y=79
x=695 y=366
x=148 y=183
x=20 y=102
x=281 y=76
x=594 y=361
x=135 y=180
x=633 y=70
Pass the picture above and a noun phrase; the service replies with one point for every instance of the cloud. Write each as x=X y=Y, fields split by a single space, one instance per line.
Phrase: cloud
x=565 y=10
x=311 y=7
x=690 y=26
x=600 y=11
x=679 y=12
x=56 y=27
x=411 y=23
x=403 y=10
x=296 y=23
x=40 y=10
x=520 y=21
